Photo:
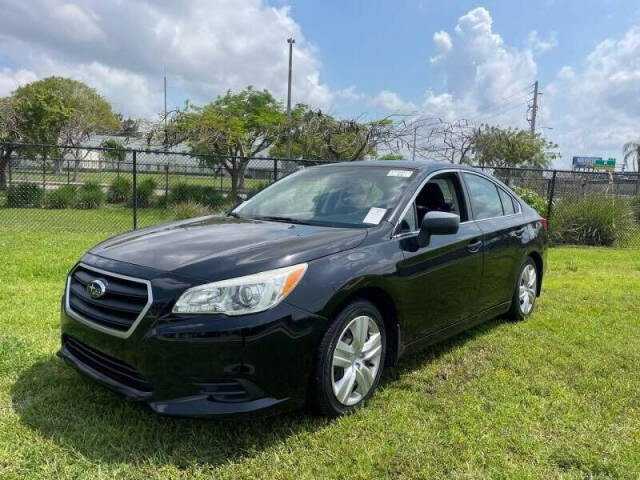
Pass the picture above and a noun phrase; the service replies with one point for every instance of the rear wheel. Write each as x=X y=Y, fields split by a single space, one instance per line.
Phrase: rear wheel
x=349 y=360
x=524 y=296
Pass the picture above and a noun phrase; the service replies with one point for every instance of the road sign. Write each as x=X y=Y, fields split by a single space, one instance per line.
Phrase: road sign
x=609 y=164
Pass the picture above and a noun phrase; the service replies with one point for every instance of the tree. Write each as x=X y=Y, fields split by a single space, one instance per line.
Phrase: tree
x=85 y=113
x=115 y=153
x=631 y=152
x=9 y=133
x=319 y=136
x=498 y=147
x=230 y=130
x=40 y=116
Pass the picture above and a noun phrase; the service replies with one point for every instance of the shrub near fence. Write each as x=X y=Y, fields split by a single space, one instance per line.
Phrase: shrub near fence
x=175 y=184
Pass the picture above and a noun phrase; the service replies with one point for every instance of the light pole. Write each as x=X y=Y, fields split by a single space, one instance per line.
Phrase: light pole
x=290 y=41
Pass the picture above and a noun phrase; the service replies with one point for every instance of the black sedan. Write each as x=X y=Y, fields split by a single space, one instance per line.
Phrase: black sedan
x=304 y=293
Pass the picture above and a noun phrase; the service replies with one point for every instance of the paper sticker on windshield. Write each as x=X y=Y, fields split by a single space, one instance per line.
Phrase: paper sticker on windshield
x=374 y=216
x=399 y=173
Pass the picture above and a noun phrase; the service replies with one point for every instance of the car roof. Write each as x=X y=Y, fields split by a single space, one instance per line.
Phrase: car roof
x=424 y=166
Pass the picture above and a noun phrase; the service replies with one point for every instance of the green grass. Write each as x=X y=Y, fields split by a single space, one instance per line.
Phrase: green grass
x=556 y=396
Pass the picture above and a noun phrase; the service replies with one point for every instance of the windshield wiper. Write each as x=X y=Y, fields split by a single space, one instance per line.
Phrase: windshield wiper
x=273 y=218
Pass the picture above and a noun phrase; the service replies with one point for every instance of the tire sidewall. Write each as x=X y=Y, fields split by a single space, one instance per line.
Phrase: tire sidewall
x=353 y=310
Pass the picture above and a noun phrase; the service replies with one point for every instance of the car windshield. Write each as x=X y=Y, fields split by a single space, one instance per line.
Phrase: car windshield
x=340 y=196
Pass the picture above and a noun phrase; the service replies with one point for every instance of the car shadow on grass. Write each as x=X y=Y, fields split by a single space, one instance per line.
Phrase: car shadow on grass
x=85 y=417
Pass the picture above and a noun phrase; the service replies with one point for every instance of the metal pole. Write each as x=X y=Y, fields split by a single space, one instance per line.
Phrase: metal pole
x=290 y=41
x=10 y=173
x=166 y=184
x=68 y=173
x=551 y=194
x=534 y=109
x=275 y=169
x=135 y=192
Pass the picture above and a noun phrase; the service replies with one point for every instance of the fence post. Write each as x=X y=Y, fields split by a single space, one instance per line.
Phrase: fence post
x=166 y=185
x=68 y=173
x=44 y=173
x=275 y=169
x=551 y=194
x=135 y=192
x=10 y=173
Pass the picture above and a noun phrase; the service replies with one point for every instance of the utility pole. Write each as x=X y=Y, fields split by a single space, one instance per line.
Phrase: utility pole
x=290 y=41
x=165 y=107
x=534 y=108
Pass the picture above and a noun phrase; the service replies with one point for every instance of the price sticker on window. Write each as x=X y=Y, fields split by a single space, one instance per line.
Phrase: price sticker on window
x=400 y=173
x=374 y=215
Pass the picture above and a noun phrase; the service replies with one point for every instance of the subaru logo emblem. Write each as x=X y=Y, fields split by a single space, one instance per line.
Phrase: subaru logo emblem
x=96 y=288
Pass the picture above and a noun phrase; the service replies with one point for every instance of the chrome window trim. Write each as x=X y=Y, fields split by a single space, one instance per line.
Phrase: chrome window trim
x=92 y=324
x=450 y=170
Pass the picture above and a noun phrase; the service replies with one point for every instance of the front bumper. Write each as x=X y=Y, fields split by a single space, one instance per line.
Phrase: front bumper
x=202 y=365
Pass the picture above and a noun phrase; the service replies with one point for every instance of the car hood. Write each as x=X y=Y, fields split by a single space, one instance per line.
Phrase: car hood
x=217 y=247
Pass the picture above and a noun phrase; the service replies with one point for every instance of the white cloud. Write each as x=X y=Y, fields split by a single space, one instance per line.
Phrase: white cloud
x=483 y=76
x=597 y=106
x=11 y=79
x=121 y=49
x=392 y=102
x=537 y=44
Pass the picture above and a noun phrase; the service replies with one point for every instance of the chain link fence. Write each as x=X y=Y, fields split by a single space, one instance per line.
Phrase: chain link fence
x=100 y=190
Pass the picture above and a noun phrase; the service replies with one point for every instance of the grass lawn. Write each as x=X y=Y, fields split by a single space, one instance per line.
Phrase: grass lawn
x=556 y=396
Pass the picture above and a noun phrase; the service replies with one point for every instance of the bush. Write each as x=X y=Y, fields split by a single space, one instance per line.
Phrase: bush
x=593 y=220
x=532 y=199
x=62 y=197
x=256 y=188
x=207 y=196
x=90 y=195
x=119 y=190
x=146 y=192
x=24 y=195
x=184 y=210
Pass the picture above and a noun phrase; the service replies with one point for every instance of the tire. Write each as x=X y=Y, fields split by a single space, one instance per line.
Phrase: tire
x=525 y=292
x=346 y=374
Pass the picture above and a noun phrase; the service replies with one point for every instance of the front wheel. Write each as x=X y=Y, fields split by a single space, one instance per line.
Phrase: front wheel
x=524 y=296
x=349 y=360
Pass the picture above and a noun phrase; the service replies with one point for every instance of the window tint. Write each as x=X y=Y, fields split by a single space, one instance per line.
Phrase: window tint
x=484 y=197
x=507 y=202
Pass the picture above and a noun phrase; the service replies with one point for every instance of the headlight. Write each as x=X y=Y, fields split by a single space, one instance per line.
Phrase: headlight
x=238 y=296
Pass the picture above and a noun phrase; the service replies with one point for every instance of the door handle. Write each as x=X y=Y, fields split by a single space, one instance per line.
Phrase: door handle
x=518 y=233
x=474 y=246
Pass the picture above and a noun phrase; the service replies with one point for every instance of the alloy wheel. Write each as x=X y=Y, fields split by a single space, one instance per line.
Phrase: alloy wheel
x=356 y=360
x=527 y=289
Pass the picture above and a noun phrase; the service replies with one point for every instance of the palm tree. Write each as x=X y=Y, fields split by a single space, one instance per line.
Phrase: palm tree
x=631 y=151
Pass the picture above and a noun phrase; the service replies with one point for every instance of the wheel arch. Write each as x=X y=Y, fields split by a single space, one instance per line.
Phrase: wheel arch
x=385 y=303
x=537 y=259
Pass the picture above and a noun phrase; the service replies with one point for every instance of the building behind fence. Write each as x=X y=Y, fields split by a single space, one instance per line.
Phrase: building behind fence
x=138 y=188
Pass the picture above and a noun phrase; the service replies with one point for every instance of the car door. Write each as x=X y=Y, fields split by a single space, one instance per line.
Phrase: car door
x=438 y=282
x=500 y=221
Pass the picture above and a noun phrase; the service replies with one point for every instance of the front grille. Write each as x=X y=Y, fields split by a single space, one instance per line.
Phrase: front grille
x=123 y=303
x=119 y=371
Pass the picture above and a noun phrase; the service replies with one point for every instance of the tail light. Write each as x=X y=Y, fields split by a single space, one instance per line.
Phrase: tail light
x=545 y=224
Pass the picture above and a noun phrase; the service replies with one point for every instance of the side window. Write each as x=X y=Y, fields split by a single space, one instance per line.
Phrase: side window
x=507 y=202
x=408 y=223
x=485 y=200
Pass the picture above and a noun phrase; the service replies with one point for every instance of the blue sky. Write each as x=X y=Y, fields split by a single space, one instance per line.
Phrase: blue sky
x=377 y=44
x=354 y=58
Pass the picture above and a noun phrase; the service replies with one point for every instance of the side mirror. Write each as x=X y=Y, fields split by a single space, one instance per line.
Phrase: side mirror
x=437 y=223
